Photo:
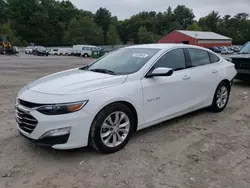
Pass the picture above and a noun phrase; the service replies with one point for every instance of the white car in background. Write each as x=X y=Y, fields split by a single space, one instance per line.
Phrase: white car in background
x=61 y=51
x=84 y=50
x=226 y=50
x=29 y=49
x=103 y=103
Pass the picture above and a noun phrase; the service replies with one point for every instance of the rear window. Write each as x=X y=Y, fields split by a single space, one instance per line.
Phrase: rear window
x=199 y=57
x=214 y=58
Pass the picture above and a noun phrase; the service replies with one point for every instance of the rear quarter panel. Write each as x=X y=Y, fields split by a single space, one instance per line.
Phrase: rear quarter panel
x=226 y=70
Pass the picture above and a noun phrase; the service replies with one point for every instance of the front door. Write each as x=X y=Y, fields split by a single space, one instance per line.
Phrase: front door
x=167 y=96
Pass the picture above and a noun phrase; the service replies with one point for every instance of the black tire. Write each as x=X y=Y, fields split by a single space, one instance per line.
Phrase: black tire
x=60 y=54
x=215 y=107
x=94 y=136
x=85 y=55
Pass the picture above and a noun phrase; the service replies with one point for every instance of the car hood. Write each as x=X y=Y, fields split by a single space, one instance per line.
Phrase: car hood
x=75 y=81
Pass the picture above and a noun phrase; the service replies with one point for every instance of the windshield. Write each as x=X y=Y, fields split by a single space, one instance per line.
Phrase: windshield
x=245 y=48
x=124 y=61
x=41 y=48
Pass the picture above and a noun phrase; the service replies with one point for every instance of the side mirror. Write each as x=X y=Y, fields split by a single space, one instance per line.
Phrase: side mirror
x=160 y=71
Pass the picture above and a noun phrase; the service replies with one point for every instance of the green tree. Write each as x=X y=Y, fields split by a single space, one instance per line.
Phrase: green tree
x=3 y=11
x=210 y=22
x=112 y=36
x=6 y=30
x=146 y=37
x=194 y=27
x=103 y=19
x=26 y=18
x=83 y=31
x=184 y=16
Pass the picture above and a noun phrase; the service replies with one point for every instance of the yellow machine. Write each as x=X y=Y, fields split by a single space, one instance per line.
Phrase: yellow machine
x=5 y=45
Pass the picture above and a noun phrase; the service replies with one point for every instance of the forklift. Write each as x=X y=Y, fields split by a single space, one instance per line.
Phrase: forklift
x=6 y=46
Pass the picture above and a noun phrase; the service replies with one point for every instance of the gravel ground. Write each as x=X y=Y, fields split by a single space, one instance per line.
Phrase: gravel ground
x=201 y=149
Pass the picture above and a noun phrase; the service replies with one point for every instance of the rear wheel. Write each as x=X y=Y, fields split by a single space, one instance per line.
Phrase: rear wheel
x=221 y=97
x=112 y=128
x=85 y=55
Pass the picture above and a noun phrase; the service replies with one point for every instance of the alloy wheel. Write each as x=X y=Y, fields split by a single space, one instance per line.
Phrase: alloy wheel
x=222 y=97
x=115 y=129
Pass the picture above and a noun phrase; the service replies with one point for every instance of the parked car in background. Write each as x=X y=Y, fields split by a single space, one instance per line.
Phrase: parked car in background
x=62 y=51
x=216 y=49
x=84 y=50
x=102 y=104
x=40 y=51
x=66 y=51
x=29 y=49
x=16 y=50
x=226 y=50
x=235 y=48
x=242 y=63
x=53 y=51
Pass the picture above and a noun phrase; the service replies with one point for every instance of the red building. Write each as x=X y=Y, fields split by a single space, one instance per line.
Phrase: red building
x=199 y=38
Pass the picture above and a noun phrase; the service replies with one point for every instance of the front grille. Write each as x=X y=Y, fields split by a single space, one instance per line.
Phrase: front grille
x=25 y=121
x=28 y=104
x=241 y=63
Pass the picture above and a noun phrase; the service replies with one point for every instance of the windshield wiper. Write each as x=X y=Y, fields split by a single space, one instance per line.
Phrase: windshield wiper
x=106 y=71
x=84 y=68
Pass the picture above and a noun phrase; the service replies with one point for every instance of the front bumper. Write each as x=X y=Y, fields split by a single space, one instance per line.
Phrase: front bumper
x=49 y=141
x=79 y=122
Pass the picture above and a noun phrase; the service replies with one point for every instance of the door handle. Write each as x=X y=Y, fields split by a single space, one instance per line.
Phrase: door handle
x=186 y=77
x=214 y=71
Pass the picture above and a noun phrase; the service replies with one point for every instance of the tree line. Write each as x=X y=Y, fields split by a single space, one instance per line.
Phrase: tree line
x=57 y=23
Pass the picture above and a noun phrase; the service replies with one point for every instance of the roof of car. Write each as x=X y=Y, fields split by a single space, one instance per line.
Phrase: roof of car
x=163 y=46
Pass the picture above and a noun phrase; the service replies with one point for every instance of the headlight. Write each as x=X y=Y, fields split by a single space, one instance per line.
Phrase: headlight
x=58 y=109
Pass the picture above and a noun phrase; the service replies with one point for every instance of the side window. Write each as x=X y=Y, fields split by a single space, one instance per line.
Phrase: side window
x=85 y=48
x=214 y=58
x=199 y=57
x=174 y=59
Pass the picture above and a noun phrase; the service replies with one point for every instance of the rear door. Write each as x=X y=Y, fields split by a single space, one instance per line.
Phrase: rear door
x=204 y=76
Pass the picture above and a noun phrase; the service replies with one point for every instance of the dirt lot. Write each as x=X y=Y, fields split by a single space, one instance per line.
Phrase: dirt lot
x=201 y=149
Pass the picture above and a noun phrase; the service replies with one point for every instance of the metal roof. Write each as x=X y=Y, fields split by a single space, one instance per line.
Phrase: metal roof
x=165 y=46
x=204 y=35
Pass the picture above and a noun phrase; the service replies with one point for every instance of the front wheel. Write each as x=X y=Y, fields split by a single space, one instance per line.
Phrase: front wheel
x=221 y=97
x=112 y=128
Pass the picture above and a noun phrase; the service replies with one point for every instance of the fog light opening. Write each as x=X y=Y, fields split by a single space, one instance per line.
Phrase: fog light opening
x=56 y=132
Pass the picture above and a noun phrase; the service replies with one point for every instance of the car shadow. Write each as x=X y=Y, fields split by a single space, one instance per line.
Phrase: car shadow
x=242 y=83
x=172 y=122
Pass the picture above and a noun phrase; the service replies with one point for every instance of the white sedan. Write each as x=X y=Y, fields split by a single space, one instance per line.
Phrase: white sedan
x=132 y=88
x=29 y=49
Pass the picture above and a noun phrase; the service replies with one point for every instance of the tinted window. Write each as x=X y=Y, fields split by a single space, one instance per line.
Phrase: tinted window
x=86 y=48
x=198 y=57
x=214 y=58
x=125 y=60
x=174 y=59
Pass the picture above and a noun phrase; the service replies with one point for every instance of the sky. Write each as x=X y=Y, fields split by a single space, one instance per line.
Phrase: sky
x=125 y=8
